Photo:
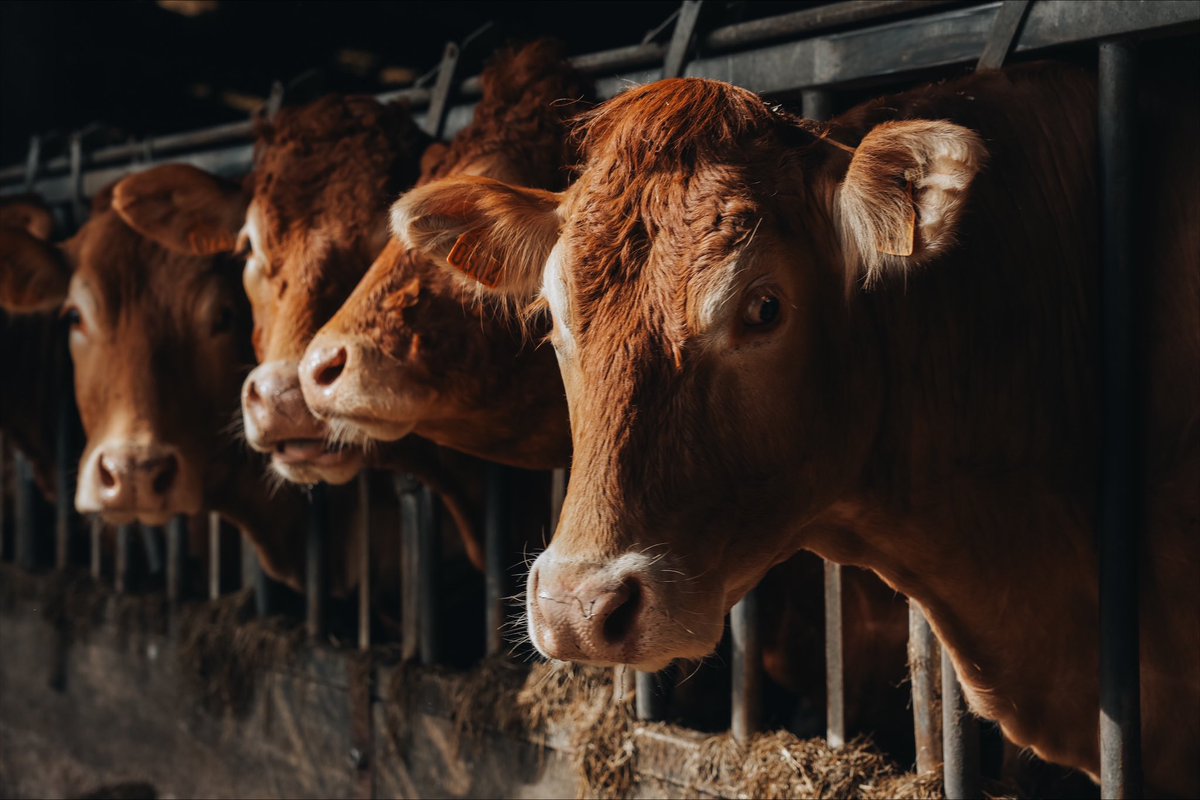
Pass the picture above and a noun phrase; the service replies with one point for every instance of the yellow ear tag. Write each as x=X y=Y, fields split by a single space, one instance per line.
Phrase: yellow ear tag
x=467 y=257
x=906 y=244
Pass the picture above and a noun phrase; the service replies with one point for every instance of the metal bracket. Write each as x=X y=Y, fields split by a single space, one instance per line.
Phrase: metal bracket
x=75 y=154
x=682 y=38
x=1005 y=28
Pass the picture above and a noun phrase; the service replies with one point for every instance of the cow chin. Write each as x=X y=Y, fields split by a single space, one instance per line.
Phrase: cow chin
x=330 y=466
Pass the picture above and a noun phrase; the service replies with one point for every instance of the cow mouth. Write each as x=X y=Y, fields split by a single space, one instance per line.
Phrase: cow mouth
x=308 y=452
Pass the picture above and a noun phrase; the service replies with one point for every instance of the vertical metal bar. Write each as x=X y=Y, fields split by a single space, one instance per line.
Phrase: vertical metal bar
x=924 y=660
x=177 y=530
x=835 y=663
x=624 y=684
x=3 y=495
x=64 y=490
x=495 y=539
x=1121 y=501
x=439 y=99
x=75 y=154
x=1003 y=35
x=410 y=619
x=33 y=162
x=96 y=528
x=682 y=37
x=151 y=537
x=248 y=559
x=747 y=668
x=315 y=573
x=121 y=562
x=960 y=739
x=651 y=702
x=214 y=555
x=427 y=563
x=364 y=561
x=25 y=546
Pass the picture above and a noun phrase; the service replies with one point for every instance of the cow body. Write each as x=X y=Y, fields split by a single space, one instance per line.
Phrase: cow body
x=888 y=356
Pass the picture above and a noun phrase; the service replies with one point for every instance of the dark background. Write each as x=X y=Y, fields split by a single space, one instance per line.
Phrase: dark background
x=138 y=68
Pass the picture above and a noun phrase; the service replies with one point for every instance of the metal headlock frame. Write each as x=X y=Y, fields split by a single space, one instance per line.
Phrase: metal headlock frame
x=921 y=34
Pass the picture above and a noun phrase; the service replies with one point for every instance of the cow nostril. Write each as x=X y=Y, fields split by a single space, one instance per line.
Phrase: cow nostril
x=620 y=619
x=166 y=476
x=329 y=370
x=107 y=479
x=252 y=393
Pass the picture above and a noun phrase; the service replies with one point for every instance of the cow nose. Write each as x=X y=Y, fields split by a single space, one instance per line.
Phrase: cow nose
x=588 y=617
x=273 y=407
x=129 y=478
x=324 y=365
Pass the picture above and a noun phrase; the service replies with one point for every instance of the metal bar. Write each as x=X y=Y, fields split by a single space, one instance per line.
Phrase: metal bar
x=315 y=572
x=96 y=528
x=177 y=531
x=24 y=498
x=427 y=563
x=835 y=662
x=810 y=20
x=3 y=495
x=364 y=561
x=682 y=37
x=75 y=157
x=439 y=100
x=151 y=537
x=64 y=490
x=924 y=661
x=33 y=162
x=410 y=600
x=214 y=555
x=960 y=739
x=1121 y=496
x=747 y=668
x=1004 y=32
x=121 y=561
x=495 y=541
x=651 y=700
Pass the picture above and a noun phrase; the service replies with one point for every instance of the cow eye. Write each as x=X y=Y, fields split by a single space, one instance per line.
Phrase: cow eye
x=72 y=317
x=762 y=310
x=224 y=321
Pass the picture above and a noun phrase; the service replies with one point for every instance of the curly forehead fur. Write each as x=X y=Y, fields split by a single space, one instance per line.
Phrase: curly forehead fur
x=337 y=162
x=529 y=96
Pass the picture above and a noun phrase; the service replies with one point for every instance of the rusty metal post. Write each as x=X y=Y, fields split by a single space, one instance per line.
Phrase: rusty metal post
x=495 y=539
x=651 y=700
x=747 y=667
x=924 y=659
x=835 y=661
x=1121 y=476
x=214 y=555
x=428 y=528
x=410 y=519
x=960 y=739
x=315 y=571
x=121 y=561
x=364 y=561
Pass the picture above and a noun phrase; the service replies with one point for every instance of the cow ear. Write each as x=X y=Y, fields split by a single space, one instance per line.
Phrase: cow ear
x=496 y=234
x=904 y=193
x=31 y=217
x=34 y=274
x=184 y=209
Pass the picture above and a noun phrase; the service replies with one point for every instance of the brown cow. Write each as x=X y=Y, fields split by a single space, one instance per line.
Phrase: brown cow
x=160 y=344
x=406 y=353
x=858 y=340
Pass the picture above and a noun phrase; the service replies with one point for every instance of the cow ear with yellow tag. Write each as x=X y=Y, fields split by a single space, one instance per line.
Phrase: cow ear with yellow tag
x=904 y=193
x=497 y=235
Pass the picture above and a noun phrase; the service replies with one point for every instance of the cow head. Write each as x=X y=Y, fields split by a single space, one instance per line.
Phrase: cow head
x=156 y=341
x=408 y=352
x=701 y=274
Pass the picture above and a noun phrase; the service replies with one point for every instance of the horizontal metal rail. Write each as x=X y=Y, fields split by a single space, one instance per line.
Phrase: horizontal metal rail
x=892 y=49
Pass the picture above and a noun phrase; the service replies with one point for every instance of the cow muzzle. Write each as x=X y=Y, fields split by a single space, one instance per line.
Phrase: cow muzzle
x=149 y=483
x=360 y=393
x=277 y=421
x=612 y=612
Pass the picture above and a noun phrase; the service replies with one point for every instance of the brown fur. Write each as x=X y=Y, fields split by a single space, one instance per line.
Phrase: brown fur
x=941 y=429
x=427 y=358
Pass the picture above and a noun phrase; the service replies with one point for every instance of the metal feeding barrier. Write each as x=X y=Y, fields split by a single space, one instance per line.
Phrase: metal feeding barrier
x=811 y=52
